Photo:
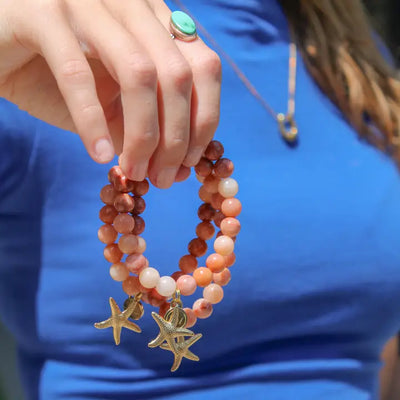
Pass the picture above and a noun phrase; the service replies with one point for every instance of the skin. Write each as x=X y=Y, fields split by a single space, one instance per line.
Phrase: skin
x=109 y=71
x=390 y=372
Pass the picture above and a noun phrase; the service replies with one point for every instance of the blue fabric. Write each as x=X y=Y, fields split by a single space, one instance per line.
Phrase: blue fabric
x=315 y=290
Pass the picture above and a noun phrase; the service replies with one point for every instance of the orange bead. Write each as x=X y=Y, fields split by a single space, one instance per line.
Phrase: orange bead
x=215 y=262
x=224 y=245
x=139 y=225
x=230 y=226
x=211 y=184
x=230 y=259
x=131 y=285
x=231 y=207
x=203 y=276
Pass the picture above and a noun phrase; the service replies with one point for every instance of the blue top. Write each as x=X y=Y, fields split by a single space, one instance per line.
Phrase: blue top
x=315 y=290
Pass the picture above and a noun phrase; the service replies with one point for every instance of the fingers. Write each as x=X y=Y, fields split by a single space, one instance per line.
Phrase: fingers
x=77 y=85
x=134 y=70
x=174 y=77
x=205 y=106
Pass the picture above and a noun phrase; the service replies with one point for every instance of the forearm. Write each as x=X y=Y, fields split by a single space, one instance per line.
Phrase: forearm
x=390 y=373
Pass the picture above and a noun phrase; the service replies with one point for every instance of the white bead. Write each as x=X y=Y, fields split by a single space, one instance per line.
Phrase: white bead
x=224 y=245
x=166 y=286
x=228 y=187
x=149 y=277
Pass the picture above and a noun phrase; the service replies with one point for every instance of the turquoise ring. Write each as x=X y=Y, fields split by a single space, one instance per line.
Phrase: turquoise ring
x=182 y=26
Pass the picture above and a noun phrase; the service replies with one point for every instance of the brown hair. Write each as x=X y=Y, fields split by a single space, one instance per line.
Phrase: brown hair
x=342 y=56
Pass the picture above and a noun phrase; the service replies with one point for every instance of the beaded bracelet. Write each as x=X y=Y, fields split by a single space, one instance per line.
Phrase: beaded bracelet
x=121 y=231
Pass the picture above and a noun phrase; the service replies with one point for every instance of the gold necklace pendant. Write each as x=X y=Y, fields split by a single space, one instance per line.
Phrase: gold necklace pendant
x=287 y=127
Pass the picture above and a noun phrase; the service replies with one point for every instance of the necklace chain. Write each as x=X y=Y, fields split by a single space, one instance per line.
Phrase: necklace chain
x=286 y=122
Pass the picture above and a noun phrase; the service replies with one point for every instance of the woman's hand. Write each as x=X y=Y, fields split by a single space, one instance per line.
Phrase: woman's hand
x=109 y=70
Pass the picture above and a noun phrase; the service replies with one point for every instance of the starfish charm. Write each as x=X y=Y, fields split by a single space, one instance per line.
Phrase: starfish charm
x=181 y=349
x=169 y=330
x=119 y=320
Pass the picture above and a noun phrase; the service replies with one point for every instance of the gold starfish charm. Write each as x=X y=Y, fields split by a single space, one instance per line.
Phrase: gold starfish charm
x=172 y=333
x=169 y=330
x=119 y=320
x=181 y=349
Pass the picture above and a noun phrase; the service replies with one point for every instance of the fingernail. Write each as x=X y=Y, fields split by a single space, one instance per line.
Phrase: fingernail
x=193 y=156
x=104 y=150
x=166 y=177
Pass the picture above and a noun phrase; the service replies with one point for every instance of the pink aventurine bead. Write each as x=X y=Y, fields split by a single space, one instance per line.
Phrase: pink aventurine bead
x=141 y=245
x=139 y=225
x=224 y=245
x=223 y=168
x=204 y=167
x=107 y=214
x=216 y=200
x=218 y=217
x=211 y=184
x=141 y=188
x=204 y=195
x=136 y=263
x=123 y=202
x=230 y=226
x=202 y=308
x=205 y=230
x=214 y=150
x=176 y=275
x=213 y=293
x=222 y=278
x=107 y=234
x=149 y=277
x=128 y=243
x=107 y=194
x=188 y=263
x=124 y=223
x=186 y=284
x=119 y=272
x=112 y=253
x=231 y=207
x=140 y=205
x=191 y=317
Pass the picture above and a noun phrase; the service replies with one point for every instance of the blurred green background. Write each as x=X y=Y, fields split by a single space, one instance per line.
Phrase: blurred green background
x=384 y=15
